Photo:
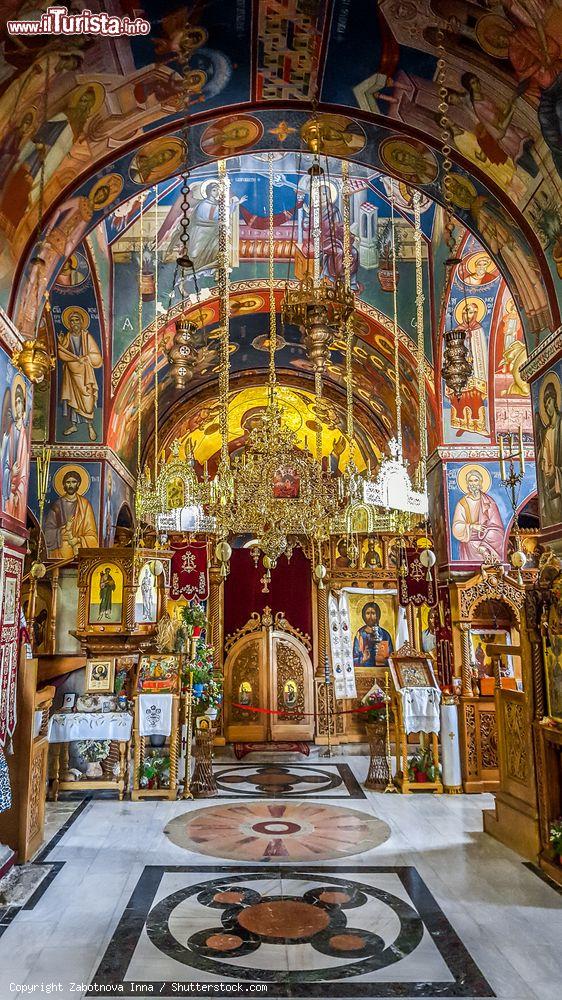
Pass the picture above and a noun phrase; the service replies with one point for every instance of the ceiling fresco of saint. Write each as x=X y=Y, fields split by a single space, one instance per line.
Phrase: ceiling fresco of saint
x=96 y=105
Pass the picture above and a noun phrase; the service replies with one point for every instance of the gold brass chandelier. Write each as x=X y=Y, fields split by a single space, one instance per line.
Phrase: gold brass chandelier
x=279 y=491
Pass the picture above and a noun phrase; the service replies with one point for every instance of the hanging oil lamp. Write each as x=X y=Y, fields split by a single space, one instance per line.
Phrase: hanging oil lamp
x=457 y=364
x=182 y=356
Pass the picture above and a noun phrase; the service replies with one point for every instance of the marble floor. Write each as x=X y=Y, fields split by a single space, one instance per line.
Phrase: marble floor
x=287 y=890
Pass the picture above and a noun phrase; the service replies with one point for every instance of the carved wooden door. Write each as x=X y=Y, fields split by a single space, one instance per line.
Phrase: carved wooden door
x=268 y=670
x=246 y=688
x=291 y=689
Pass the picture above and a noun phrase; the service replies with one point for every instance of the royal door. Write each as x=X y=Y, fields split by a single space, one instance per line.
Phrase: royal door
x=268 y=667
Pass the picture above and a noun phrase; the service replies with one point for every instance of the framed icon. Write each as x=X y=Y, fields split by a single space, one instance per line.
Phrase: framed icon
x=100 y=676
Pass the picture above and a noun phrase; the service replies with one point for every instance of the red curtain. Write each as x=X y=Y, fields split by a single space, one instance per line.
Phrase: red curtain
x=289 y=590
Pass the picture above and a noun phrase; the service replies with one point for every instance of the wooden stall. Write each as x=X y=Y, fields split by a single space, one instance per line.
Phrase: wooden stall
x=486 y=611
x=22 y=826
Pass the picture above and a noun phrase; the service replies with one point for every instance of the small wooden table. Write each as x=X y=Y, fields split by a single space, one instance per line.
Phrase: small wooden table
x=94 y=726
x=119 y=781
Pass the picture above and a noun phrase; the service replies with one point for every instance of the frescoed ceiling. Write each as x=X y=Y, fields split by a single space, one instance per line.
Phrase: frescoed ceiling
x=256 y=69
x=102 y=280
x=131 y=253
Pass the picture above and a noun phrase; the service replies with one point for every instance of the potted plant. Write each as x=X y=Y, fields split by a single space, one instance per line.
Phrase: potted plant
x=93 y=752
x=201 y=667
x=556 y=837
x=212 y=697
x=153 y=772
x=421 y=767
x=376 y=714
x=194 y=618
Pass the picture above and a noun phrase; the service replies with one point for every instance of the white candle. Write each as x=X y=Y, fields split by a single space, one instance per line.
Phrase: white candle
x=502 y=464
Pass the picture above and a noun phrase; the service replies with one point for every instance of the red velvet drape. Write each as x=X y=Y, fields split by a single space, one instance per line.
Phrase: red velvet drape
x=289 y=591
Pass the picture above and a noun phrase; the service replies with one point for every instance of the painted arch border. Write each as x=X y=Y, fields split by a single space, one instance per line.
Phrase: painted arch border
x=489 y=197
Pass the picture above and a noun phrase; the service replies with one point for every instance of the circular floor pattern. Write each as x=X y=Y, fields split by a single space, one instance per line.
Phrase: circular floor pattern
x=324 y=916
x=260 y=831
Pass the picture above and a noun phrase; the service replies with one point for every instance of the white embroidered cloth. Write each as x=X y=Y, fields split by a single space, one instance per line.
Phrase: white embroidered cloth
x=420 y=709
x=64 y=727
x=341 y=647
x=155 y=714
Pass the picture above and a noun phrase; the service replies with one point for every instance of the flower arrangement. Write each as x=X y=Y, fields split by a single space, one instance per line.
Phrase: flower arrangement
x=202 y=663
x=154 y=772
x=207 y=685
x=377 y=703
x=376 y=713
x=556 y=836
x=193 y=617
x=93 y=750
x=421 y=767
x=211 y=699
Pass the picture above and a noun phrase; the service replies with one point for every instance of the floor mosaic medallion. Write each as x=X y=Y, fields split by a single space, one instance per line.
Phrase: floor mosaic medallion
x=363 y=932
x=290 y=831
x=274 y=781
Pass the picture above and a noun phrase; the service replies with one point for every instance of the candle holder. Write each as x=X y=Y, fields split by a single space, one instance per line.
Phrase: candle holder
x=328 y=752
x=391 y=787
x=512 y=471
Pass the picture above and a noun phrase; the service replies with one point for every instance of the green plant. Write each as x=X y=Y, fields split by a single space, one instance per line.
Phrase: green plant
x=376 y=713
x=421 y=762
x=193 y=616
x=202 y=663
x=212 y=695
x=556 y=835
x=93 y=750
x=153 y=770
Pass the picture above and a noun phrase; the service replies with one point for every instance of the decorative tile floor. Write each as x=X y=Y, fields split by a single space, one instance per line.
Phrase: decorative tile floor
x=283 y=831
x=367 y=932
x=272 y=781
x=485 y=916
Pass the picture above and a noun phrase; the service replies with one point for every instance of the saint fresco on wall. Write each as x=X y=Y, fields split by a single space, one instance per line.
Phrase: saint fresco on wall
x=71 y=510
x=547 y=406
x=78 y=332
x=477 y=522
x=15 y=440
x=480 y=513
x=79 y=357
